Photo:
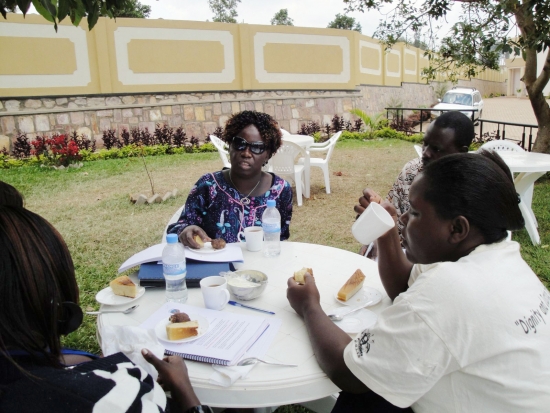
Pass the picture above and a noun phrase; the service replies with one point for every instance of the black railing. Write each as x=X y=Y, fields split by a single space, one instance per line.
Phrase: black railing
x=398 y=117
x=525 y=139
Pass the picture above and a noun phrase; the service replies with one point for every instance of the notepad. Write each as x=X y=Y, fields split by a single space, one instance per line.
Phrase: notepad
x=230 y=335
x=150 y=274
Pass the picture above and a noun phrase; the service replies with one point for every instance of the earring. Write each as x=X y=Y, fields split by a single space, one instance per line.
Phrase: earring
x=72 y=318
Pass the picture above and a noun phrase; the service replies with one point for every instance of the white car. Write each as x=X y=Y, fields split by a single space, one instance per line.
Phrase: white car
x=460 y=98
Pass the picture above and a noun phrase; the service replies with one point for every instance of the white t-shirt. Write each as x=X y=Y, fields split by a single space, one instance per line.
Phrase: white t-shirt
x=467 y=336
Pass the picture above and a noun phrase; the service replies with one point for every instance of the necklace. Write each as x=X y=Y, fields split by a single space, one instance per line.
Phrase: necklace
x=245 y=200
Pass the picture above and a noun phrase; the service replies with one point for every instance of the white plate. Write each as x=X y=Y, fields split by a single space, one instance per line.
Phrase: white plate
x=207 y=249
x=362 y=297
x=160 y=329
x=355 y=322
x=108 y=297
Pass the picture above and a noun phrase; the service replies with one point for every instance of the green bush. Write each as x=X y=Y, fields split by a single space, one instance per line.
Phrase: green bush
x=128 y=151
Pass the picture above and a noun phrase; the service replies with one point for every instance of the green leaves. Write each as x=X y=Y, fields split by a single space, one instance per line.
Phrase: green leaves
x=56 y=10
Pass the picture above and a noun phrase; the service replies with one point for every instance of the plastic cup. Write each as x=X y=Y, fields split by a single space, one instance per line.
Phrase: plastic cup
x=374 y=222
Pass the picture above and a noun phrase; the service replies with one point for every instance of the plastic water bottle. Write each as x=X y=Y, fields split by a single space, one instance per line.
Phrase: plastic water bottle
x=271 y=224
x=174 y=270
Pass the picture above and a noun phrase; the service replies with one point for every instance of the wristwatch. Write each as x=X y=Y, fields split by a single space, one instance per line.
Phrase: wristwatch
x=199 y=409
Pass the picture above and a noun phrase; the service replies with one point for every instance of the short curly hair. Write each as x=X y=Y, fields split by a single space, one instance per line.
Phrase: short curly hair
x=266 y=125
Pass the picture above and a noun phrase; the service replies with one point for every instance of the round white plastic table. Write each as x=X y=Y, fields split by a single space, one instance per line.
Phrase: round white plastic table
x=305 y=142
x=530 y=166
x=268 y=385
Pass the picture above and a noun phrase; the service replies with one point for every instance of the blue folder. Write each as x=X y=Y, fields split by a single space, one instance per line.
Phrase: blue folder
x=150 y=273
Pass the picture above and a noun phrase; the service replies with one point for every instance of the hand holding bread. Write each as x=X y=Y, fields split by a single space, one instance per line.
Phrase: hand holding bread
x=299 y=275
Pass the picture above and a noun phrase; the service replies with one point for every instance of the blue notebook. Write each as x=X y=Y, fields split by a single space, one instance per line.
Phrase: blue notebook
x=150 y=273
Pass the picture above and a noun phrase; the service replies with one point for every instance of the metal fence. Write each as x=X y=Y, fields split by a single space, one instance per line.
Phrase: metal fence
x=522 y=133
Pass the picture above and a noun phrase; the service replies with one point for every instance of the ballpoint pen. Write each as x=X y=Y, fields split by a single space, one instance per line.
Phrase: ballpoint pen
x=236 y=304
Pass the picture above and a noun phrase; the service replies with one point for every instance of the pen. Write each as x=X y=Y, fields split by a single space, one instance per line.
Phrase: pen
x=236 y=304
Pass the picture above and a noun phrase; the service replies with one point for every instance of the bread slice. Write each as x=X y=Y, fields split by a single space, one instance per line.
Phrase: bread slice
x=178 y=331
x=299 y=275
x=198 y=240
x=350 y=288
x=124 y=286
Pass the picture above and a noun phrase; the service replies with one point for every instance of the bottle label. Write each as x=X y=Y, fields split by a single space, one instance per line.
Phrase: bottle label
x=174 y=270
x=271 y=228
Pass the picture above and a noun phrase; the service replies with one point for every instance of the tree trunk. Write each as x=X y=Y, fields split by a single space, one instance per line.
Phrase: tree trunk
x=535 y=84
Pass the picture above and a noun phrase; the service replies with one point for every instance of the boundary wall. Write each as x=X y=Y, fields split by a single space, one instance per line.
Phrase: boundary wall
x=138 y=72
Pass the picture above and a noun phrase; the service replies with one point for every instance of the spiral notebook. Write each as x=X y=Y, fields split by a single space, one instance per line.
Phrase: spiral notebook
x=229 y=336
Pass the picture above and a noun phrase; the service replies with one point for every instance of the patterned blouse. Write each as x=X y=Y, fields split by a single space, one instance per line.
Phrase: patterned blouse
x=399 y=194
x=214 y=205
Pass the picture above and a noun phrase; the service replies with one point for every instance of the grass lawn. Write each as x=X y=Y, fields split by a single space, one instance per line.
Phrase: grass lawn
x=90 y=207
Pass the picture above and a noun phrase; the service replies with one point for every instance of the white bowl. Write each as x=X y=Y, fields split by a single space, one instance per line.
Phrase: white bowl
x=246 y=284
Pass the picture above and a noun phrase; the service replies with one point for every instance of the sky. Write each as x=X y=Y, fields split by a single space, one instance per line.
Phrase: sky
x=305 y=13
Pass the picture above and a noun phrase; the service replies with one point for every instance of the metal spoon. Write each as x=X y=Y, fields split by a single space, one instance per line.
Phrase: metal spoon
x=253 y=360
x=128 y=310
x=340 y=317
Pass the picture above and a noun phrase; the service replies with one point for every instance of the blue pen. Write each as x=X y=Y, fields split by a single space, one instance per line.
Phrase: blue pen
x=236 y=304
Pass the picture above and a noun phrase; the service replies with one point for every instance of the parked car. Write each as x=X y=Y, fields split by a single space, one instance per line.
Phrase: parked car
x=461 y=98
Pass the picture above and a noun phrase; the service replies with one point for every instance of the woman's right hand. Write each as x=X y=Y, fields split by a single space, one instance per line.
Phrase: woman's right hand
x=368 y=196
x=186 y=236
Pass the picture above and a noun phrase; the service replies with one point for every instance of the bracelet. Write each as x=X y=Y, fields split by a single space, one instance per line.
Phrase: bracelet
x=199 y=409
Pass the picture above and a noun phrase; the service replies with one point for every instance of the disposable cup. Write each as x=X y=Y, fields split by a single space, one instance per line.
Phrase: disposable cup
x=374 y=222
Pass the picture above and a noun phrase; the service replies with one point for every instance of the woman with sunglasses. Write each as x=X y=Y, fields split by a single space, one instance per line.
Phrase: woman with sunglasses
x=223 y=203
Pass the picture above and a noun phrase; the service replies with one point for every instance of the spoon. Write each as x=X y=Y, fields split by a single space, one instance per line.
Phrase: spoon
x=253 y=360
x=340 y=317
x=128 y=310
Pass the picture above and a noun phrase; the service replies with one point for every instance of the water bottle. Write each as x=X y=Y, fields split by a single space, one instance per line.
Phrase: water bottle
x=271 y=224
x=174 y=270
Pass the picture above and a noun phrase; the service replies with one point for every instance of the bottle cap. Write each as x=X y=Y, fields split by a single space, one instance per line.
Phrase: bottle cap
x=271 y=203
x=171 y=238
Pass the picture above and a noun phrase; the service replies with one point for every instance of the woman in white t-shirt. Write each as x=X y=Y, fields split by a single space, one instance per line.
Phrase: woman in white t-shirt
x=469 y=328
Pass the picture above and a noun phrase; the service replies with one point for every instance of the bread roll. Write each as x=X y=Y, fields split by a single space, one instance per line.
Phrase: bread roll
x=350 y=288
x=299 y=275
x=179 y=318
x=178 y=331
x=198 y=240
x=218 y=243
x=124 y=286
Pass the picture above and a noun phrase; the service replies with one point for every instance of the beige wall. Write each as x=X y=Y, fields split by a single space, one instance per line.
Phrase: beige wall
x=154 y=56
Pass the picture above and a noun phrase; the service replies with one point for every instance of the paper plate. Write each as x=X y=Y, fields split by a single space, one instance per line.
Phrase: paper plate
x=207 y=249
x=362 y=297
x=355 y=322
x=108 y=297
x=160 y=329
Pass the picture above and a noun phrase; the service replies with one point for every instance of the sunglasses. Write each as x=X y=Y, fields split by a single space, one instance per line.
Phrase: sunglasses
x=240 y=145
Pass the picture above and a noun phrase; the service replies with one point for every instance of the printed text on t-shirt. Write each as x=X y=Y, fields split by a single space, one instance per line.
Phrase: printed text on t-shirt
x=529 y=323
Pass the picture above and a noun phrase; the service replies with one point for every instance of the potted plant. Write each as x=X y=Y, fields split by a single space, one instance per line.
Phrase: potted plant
x=518 y=93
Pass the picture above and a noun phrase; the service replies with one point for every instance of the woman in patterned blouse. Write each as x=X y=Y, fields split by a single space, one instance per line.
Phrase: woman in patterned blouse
x=223 y=203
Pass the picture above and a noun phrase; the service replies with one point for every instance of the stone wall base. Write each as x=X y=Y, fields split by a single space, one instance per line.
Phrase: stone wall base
x=201 y=113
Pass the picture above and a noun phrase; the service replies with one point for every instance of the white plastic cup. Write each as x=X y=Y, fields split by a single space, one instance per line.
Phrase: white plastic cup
x=254 y=237
x=374 y=222
x=214 y=292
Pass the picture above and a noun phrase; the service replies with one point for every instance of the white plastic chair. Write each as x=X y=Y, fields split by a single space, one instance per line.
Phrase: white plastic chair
x=322 y=163
x=172 y=220
x=221 y=146
x=284 y=164
x=503 y=145
x=418 y=150
x=284 y=132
